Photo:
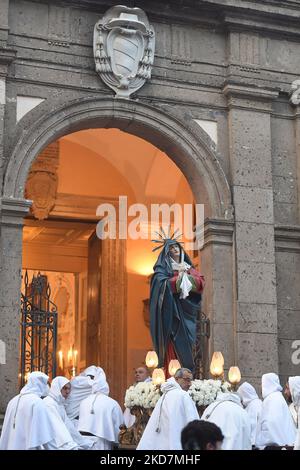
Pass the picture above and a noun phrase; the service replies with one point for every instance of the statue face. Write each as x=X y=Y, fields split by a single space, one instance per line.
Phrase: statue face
x=174 y=251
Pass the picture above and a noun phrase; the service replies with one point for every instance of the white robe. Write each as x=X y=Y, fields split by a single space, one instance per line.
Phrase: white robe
x=294 y=413
x=173 y=411
x=27 y=424
x=66 y=436
x=294 y=384
x=227 y=413
x=100 y=415
x=253 y=406
x=276 y=425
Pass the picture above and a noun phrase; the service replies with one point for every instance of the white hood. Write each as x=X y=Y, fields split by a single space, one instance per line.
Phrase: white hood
x=229 y=396
x=37 y=384
x=247 y=393
x=91 y=370
x=100 y=384
x=270 y=384
x=170 y=384
x=55 y=390
x=294 y=384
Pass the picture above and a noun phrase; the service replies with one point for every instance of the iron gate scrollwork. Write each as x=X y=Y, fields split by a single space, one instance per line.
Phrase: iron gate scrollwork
x=201 y=346
x=38 y=328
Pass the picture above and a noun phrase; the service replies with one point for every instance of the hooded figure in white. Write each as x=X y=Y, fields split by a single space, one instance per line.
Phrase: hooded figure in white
x=276 y=424
x=66 y=436
x=81 y=388
x=173 y=411
x=252 y=405
x=27 y=424
x=294 y=384
x=100 y=415
x=227 y=413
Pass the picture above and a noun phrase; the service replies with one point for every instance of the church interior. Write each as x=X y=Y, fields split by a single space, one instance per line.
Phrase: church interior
x=67 y=182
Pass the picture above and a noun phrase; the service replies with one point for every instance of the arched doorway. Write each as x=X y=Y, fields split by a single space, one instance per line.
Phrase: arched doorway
x=184 y=142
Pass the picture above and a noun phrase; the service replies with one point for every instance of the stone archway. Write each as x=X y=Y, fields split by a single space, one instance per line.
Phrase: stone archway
x=178 y=136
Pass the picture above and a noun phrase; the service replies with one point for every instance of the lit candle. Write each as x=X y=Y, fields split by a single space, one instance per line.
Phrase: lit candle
x=75 y=358
x=60 y=359
x=70 y=357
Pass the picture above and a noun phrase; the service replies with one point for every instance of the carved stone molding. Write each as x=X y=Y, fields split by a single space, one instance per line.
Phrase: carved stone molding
x=218 y=232
x=124 y=44
x=287 y=238
x=13 y=211
x=42 y=182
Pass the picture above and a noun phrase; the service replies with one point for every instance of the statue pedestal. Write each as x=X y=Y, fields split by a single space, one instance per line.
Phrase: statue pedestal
x=131 y=436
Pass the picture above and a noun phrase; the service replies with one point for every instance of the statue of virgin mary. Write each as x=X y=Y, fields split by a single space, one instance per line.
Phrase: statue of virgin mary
x=175 y=300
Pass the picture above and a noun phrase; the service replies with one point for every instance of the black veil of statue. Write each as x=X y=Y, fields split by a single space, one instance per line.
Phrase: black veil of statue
x=171 y=318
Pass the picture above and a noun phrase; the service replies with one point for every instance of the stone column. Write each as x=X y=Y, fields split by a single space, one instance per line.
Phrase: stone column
x=113 y=333
x=4 y=22
x=12 y=213
x=218 y=301
x=251 y=177
x=7 y=55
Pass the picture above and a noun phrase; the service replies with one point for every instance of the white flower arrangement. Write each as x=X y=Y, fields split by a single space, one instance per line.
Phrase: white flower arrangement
x=143 y=394
x=204 y=392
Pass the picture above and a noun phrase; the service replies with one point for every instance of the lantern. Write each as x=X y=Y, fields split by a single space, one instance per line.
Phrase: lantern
x=158 y=377
x=174 y=365
x=151 y=360
x=216 y=365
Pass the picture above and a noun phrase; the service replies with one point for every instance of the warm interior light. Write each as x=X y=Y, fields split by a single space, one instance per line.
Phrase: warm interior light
x=158 y=377
x=151 y=360
x=174 y=365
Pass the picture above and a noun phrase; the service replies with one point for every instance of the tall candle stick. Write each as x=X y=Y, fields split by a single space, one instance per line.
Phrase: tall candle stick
x=60 y=359
x=75 y=358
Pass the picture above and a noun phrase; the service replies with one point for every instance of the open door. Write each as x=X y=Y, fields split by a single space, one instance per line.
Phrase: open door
x=93 y=301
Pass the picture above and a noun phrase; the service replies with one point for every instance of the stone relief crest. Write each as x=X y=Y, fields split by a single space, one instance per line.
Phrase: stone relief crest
x=124 y=44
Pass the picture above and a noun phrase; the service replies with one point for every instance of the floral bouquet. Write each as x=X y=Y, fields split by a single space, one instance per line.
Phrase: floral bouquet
x=204 y=392
x=140 y=399
x=143 y=394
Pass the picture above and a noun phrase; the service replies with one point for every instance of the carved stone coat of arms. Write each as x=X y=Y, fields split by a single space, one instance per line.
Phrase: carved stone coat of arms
x=124 y=44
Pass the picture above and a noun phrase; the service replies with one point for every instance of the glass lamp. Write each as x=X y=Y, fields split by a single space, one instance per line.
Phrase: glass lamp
x=174 y=365
x=158 y=377
x=234 y=376
x=217 y=365
x=151 y=360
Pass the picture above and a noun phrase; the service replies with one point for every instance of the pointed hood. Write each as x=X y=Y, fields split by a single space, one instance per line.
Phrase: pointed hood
x=270 y=384
x=37 y=384
x=247 y=393
x=100 y=384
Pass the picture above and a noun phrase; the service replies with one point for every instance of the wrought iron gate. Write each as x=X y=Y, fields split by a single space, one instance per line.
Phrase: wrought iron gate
x=38 y=328
x=201 y=346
